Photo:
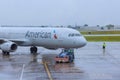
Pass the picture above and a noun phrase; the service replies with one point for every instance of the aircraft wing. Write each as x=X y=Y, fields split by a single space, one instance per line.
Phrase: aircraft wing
x=17 y=41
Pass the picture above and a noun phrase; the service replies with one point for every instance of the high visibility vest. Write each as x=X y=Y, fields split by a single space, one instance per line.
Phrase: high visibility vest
x=104 y=44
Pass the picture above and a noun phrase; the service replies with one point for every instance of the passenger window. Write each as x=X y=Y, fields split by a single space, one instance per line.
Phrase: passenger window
x=73 y=34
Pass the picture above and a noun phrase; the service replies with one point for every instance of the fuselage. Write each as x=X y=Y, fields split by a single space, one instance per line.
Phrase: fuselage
x=45 y=37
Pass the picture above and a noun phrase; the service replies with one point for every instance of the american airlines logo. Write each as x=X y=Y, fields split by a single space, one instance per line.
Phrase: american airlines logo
x=55 y=36
x=31 y=34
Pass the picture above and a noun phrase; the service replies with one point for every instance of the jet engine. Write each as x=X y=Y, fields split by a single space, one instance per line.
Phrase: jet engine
x=8 y=46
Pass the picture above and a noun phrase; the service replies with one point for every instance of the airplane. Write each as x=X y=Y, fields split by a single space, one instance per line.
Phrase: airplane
x=50 y=38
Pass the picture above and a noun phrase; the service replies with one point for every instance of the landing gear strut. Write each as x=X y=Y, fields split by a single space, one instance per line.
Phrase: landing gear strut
x=33 y=49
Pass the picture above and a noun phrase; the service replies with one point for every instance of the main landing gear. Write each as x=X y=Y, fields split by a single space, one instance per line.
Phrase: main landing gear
x=5 y=53
x=33 y=50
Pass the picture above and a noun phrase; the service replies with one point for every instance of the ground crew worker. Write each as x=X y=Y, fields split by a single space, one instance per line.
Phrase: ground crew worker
x=71 y=51
x=104 y=45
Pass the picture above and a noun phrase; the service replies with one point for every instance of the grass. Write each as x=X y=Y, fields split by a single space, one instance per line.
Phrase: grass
x=98 y=38
x=103 y=38
x=100 y=32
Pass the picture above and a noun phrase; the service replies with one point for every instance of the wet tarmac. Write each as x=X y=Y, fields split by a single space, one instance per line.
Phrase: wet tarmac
x=91 y=63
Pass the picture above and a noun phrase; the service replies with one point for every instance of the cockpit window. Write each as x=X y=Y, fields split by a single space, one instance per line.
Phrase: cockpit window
x=73 y=34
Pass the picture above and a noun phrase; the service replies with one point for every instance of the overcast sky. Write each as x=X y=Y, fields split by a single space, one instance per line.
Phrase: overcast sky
x=59 y=12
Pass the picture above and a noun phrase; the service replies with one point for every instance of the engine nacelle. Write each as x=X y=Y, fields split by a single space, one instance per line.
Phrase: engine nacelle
x=8 y=46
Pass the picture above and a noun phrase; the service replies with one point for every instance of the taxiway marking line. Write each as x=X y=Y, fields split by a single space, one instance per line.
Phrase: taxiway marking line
x=48 y=71
x=22 y=72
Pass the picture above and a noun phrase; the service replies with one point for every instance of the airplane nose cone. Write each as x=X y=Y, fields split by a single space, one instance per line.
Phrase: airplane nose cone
x=83 y=42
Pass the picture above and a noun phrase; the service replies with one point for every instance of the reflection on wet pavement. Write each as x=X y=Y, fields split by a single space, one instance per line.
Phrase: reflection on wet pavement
x=91 y=63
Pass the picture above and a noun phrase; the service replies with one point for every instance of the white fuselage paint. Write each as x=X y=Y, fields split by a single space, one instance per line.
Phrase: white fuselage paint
x=45 y=37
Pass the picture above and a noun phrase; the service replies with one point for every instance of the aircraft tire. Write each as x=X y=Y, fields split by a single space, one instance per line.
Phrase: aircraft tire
x=5 y=53
x=33 y=49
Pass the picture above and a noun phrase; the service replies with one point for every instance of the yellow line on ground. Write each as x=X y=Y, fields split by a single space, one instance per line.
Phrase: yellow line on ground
x=48 y=71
